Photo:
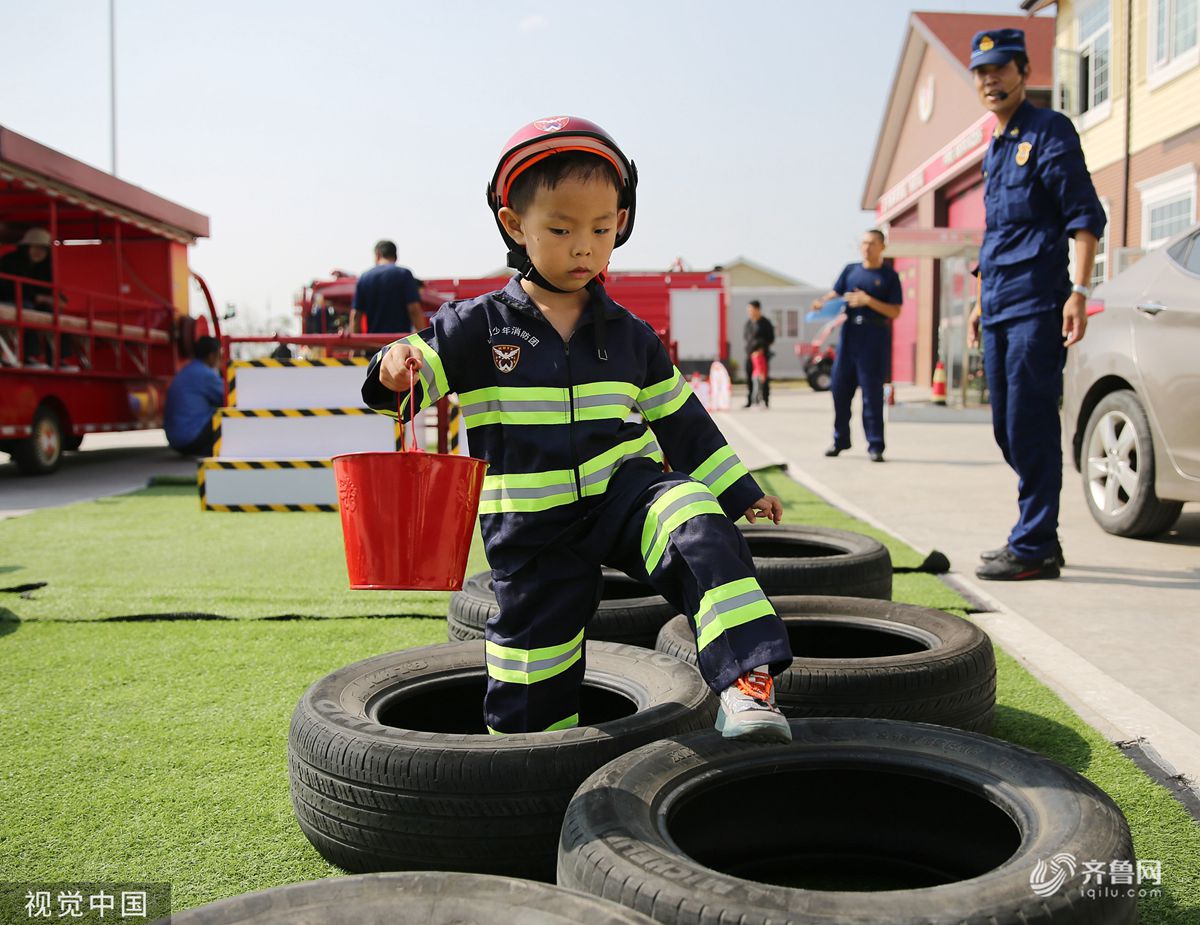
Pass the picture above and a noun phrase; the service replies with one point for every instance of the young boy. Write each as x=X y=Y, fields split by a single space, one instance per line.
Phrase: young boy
x=548 y=371
x=758 y=377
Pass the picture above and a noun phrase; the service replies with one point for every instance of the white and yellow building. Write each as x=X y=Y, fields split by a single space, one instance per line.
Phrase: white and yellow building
x=1128 y=73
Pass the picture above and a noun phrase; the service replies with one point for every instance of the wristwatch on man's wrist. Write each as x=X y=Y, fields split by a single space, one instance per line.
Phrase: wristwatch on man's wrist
x=1082 y=290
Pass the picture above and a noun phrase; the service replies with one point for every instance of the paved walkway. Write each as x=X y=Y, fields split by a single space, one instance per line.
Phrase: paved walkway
x=108 y=464
x=1118 y=635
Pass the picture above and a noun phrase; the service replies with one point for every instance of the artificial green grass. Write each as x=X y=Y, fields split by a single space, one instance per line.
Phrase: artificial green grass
x=156 y=750
x=156 y=552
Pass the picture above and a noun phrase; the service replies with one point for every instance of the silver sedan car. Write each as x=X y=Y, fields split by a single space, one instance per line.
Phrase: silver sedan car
x=1132 y=392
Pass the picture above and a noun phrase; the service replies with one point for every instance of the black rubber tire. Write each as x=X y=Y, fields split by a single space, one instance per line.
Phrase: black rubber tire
x=820 y=376
x=866 y=658
x=73 y=442
x=41 y=452
x=411 y=898
x=629 y=613
x=866 y=821
x=819 y=560
x=1144 y=514
x=372 y=796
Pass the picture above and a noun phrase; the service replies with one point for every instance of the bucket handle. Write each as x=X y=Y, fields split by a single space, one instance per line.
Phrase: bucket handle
x=413 y=365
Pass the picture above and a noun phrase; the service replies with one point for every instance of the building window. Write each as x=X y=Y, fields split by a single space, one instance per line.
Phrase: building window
x=1100 y=267
x=1168 y=205
x=787 y=322
x=1095 y=57
x=1173 y=35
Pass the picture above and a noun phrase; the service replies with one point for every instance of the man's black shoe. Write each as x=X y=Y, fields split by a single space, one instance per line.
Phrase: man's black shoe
x=833 y=450
x=1007 y=567
x=989 y=554
x=876 y=455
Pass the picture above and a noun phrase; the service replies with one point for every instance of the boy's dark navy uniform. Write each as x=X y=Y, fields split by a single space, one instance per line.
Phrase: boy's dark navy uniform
x=576 y=480
x=863 y=353
x=1037 y=192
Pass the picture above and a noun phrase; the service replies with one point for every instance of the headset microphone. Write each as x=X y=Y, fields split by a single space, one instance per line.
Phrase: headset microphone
x=1001 y=95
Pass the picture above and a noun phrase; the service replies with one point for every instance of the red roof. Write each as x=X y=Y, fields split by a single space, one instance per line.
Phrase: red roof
x=955 y=31
x=25 y=154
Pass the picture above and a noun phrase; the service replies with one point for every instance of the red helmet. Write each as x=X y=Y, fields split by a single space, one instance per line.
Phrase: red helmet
x=545 y=137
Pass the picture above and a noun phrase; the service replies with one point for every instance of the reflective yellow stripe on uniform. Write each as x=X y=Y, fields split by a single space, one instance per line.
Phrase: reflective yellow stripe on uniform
x=525 y=492
x=672 y=508
x=528 y=666
x=720 y=470
x=664 y=398
x=503 y=405
x=569 y=722
x=593 y=401
x=602 y=401
x=433 y=374
x=595 y=474
x=727 y=606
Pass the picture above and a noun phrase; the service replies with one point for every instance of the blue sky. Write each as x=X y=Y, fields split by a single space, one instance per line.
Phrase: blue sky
x=306 y=130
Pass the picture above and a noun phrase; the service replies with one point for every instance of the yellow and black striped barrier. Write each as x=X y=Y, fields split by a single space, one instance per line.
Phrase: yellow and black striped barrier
x=287 y=413
x=324 y=361
x=245 y=464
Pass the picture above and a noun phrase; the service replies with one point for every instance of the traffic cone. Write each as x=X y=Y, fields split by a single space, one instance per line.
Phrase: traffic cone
x=939 y=384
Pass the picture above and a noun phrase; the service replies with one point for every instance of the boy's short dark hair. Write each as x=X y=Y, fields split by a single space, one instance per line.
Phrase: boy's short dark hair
x=386 y=250
x=551 y=171
x=206 y=347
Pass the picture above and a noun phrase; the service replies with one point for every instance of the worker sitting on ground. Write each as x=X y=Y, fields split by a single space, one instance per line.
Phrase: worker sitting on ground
x=193 y=397
x=572 y=483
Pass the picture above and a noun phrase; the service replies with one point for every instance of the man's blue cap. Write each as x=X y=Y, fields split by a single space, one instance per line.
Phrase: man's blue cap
x=997 y=46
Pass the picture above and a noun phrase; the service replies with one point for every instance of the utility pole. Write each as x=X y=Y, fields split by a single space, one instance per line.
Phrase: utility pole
x=112 y=77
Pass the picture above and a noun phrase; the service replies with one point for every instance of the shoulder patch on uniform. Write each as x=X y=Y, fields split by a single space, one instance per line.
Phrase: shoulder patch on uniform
x=1023 y=150
x=506 y=357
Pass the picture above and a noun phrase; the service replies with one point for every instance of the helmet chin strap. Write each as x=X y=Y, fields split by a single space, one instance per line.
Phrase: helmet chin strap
x=518 y=259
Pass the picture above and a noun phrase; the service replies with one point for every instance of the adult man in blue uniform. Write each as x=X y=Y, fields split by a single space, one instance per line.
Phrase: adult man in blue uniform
x=873 y=299
x=1037 y=193
x=387 y=295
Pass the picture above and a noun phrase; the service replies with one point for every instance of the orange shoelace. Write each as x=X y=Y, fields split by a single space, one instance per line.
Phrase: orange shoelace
x=756 y=684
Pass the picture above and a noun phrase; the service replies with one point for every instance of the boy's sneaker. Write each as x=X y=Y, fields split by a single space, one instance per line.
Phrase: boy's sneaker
x=748 y=710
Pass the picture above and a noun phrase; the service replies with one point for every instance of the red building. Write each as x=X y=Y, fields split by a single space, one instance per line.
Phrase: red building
x=925 y=182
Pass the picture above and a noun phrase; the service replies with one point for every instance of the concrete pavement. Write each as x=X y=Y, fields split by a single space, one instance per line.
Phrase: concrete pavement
x=107 y=464
x=1118 y=635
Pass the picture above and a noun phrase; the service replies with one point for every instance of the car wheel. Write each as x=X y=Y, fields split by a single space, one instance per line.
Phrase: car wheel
x=855 y=822
x=1118 y=469
x=41 y=452
x=820 y=377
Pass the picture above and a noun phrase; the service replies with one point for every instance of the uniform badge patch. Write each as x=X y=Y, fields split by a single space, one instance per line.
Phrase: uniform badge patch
x=986 y=43
x=506 y=357
x=1023 y=150
x=557 y=124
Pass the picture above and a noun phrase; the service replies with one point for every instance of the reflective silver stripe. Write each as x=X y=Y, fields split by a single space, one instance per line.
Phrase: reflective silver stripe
x=674 y=392
x=603 y=475
x=499 y=494
x=715 y=476
x=726 y=606
x=599 y=401
x=512 y=664
x=507 y=405
x=700 y=494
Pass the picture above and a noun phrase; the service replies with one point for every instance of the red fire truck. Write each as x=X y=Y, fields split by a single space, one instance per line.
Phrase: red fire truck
x=659 y=299
x=94 y=286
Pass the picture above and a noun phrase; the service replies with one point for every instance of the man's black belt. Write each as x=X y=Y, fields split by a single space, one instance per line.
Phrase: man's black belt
x=866 y=319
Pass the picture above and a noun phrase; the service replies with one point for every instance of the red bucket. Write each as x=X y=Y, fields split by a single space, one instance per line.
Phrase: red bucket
x=407 y=518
